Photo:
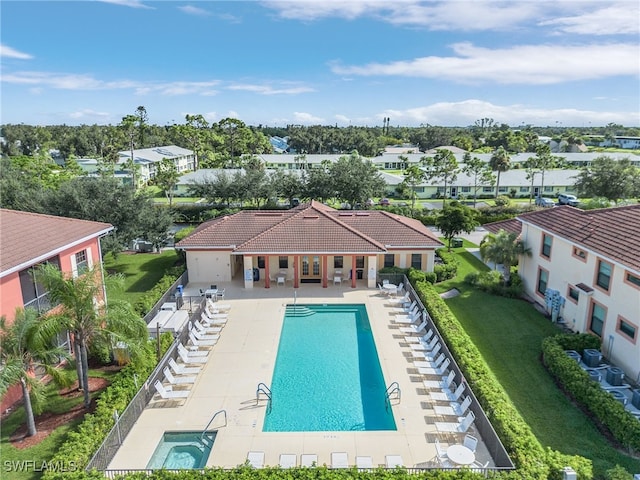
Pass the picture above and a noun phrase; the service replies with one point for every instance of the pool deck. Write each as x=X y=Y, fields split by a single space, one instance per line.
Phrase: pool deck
x=245 y=355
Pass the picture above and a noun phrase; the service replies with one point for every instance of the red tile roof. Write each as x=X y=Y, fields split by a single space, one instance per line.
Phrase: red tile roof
x=28 y=238
x=311 y=228
x=613 y=233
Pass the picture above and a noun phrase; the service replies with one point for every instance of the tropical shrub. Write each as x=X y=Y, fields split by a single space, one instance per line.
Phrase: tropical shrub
x=149 y=299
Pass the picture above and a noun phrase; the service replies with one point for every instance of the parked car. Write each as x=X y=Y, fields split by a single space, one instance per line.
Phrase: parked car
x=545 y=202
x=566 y=199
x=385 y=202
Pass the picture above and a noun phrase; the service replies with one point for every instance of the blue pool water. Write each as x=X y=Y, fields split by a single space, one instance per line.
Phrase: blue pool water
x=179 y=450
x=327 y=375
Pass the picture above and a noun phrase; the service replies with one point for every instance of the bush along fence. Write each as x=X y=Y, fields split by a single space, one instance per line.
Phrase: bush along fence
x=533 y=462
x=601 y=405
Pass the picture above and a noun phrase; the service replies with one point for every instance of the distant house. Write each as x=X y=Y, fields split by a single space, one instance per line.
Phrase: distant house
x=28 y=240
x=592 y=259
x=148 y=159
x=311 y=243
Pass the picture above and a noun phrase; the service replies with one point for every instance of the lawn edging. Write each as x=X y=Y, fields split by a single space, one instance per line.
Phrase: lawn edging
x=531 y=459
x=608 y=412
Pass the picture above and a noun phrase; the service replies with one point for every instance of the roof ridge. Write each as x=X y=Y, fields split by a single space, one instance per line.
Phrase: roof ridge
x=352 y=229
x=396 y=217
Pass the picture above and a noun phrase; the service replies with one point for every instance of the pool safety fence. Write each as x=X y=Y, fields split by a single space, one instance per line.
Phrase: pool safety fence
x=124 y=422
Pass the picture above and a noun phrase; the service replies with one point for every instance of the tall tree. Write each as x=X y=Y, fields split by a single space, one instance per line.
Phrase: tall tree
x=83 y=312
x=167 y=178
x=504 y=248
x=24 y=347
x=413 y=176
x=142 y=119
x=609 y=178
x=456 y=219
x=355 y=179
x=129 y=130
x=499 y=162
x=442 y=167
x=479 y=171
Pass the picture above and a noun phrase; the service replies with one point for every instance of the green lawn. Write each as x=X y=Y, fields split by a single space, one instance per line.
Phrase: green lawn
x=43 y=451
x=141 y=272
x=509 y=335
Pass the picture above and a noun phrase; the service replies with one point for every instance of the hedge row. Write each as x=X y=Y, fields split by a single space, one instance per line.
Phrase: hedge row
x=531 y=459
x=149 y=299
x=602 y=405
x=83 y=442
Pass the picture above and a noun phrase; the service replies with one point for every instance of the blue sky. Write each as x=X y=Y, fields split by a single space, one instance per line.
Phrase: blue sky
x=566 y=62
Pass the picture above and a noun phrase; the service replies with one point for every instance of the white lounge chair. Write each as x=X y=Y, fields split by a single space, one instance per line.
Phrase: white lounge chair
x=201 y=343
x=180 y=369
x=405 y=299
x=393 y=461
x=447 y=395
x=433 y=363
x=206 y=330
x=217 y=306
x=308 y=460
x=470 y=442
x=429 y=356
x=425 y=346
x=412 y=329
x=167 y=393
x=339 y=460
x=364 y=462
x=256 y=459
x=454 y=409
x=438 y=370
x=188 y=357
x=204 y=336
x=408 y=317
x=405 y=309
x=208 y=321
x=461 y=426
x=215 y=316
x=426 y=338
x=288 y=460
x=445 y=382
x=177 y=380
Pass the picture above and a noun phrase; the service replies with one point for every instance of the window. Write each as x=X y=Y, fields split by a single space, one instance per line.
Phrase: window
x=283 y=262
x=82 y=265
x=487 y=189
x=419 y=189
x=360 y=261
x=389 y=259
x=261 y=261
x=503 y=190
x=548 y=189
x=543 y=279
x=632 y=279
x=547 y=240
x=465 y=189
x=626 y=328
x=524 y=189
x=34 y=294
x=574 y=294
x=416 y=261
x=338 y=261
x=597 y=317
x=603 y=279
x=579 y=253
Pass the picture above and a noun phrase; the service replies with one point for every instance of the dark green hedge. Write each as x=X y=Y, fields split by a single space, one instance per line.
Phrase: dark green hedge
x=600 y=404
x=531 y=459
x=149 y=299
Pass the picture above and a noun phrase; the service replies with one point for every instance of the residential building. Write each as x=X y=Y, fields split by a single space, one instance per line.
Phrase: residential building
x=592 y=258
x=311 y=243
x=28 y=240
x=148 y=159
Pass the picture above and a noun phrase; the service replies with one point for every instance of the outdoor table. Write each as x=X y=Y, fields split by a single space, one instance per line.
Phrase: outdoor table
x=391 y=288
x=460 y=455
x=211 y=293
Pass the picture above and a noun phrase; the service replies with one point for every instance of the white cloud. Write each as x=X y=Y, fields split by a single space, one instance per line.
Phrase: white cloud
x=88 y=113
x=621 y=18
x=8 y=52
x=343 y=119
x=129 y=3
x=191 y=10
x=303 y=117
x=467 y=112
x=520 y=64
x=268 y=90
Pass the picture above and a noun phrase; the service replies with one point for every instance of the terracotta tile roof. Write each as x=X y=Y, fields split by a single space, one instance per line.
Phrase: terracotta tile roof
x=28 y=238
x=613 y=233
x=310 y=228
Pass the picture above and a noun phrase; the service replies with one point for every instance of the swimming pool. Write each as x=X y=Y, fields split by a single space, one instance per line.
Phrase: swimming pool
x=180 y=450
x=327 y=375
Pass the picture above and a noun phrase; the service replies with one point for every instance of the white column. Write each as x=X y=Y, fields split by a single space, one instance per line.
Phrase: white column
x=430 y=261
x=372 y=269
x=248 y=271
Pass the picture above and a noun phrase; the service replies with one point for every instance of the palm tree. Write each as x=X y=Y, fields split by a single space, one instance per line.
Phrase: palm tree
x=503 y=248
x=499 y=162
x=26 y=346
x=81 y=311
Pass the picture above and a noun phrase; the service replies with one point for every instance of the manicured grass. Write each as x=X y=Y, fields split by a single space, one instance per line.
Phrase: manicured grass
x=509 y=335
x=43 y=451
x=141 y=272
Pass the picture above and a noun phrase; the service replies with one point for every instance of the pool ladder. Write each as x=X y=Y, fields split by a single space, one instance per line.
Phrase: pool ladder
x=204 y=432
x=266 y=391
x=393 y=389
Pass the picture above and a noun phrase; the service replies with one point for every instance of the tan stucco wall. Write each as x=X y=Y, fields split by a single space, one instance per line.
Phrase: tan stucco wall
x=209 y=267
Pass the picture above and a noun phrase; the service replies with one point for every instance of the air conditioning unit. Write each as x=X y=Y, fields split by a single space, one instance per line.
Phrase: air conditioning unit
x=615 y=376
x=635 y=401
x=569 y=474
x=591 y=357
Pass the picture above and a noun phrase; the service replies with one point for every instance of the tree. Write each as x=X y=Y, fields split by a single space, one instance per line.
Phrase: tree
x=288 y=185
x=141 y=123
x=167 y=178
x=479 y=170
x=608 y=178
x=531 y=167
x=355 y=180
x=504 y=248
x=456 y=219
x=24 y=347
x=499 y=162
x=155 y=225
x=81 y=310
x=442 y=167
x=129 y=130
x=413 y=176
